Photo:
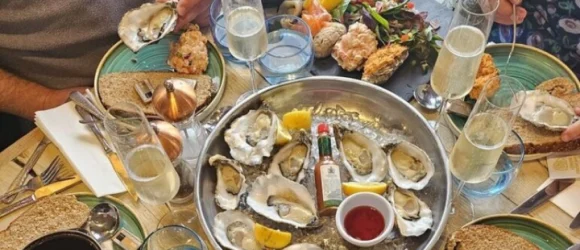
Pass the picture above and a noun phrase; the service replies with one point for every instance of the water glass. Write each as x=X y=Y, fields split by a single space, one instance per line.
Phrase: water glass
x=218 y=30
x=290 y=53
x=505 y=172
x=173 y=238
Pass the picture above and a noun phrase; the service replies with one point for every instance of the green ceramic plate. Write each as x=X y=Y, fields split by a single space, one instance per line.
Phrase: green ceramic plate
x=531 y=66
x=153 y=57
x=541 y=234
x=129 y=220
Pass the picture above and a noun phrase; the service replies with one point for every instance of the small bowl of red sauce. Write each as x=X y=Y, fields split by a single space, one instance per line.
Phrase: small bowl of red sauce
x=365 y=219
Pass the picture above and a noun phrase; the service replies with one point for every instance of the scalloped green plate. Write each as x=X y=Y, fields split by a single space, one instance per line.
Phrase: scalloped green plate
x=538 y=232
x=153 y=57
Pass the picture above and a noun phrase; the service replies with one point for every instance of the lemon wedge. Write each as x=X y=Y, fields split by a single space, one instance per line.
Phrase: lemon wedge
x=271 y=238
x=282 y=136
x=297 y=119
x=349 y=188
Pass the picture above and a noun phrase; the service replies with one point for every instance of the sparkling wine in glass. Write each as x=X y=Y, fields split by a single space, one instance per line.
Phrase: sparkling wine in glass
x=246 y=33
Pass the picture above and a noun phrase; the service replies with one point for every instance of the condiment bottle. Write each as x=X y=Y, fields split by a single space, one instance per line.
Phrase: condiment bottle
x=327 y=175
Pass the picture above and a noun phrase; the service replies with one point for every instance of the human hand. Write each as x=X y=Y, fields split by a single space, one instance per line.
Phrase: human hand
x=505 y=13
x=191 y=10
x=572 y=132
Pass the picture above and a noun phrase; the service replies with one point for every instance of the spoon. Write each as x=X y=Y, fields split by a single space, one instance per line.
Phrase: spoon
x=103 y=222
x=427 y=98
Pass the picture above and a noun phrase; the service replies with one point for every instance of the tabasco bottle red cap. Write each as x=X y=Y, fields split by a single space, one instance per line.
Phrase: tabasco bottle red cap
x=323 y=128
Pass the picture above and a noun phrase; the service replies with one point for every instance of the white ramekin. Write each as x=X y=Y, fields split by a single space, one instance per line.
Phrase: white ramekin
x=365 y=199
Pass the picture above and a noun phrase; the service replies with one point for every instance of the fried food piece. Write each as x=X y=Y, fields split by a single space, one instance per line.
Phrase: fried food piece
x=355 y=47
x=189 y=54
x=487 y=70
x=384 y=62
x=327 y=38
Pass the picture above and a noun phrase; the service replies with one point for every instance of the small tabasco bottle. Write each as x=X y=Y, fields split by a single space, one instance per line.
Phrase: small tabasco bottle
x=327 y=175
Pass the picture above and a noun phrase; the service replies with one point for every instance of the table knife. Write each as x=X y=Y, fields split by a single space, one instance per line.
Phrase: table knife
x=39 y=194
x=575 y=222
x=113 y=157
x=554 y=188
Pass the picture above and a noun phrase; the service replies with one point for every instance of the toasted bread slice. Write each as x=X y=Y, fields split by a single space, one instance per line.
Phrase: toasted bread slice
x=558 y=87
x=487 y=237
x=120 y=87
x=59 y=212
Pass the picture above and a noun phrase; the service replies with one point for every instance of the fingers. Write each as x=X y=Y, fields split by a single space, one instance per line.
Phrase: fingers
x=577 y=110
x=571 y=133
x=507 y=19
x=203 y=19
x=189 y=10
x=516 y=2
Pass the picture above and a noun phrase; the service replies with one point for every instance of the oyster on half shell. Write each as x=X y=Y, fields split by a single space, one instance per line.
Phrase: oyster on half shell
x=231 y=182
x=363 y=157
x=292 y=159
x=252 y=136
x=235 y=230
x=545 y=110
x=410 y=166
x=413 y=216
x=147 y=24
x=282 y=200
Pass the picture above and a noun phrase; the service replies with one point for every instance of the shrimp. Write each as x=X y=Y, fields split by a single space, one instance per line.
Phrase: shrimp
x=315 y=16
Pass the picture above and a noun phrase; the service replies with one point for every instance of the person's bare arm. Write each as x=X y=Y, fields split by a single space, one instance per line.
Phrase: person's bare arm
x=22 y=98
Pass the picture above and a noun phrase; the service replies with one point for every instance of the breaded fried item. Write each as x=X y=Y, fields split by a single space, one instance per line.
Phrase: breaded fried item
x=327 y=38
x=487 y=70
x=355 y=47
x=189 y=54
x=384 y=62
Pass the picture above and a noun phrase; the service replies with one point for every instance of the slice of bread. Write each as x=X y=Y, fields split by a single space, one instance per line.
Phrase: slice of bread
x=49 y=215
x=120 y=87
x=540 y=140
x=487 y=237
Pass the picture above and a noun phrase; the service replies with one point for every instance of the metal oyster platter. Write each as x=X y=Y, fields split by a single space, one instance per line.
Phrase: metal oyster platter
x=356 y=105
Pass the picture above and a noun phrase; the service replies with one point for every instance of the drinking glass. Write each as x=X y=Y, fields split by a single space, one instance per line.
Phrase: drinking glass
x=173 y=238
x=456 y=66
x=148 y=166
x=480 y=145
x=246 y=33
x=290 y=53
x=218 y=30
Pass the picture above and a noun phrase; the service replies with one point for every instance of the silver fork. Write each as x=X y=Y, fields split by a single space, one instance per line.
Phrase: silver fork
x=45 y=178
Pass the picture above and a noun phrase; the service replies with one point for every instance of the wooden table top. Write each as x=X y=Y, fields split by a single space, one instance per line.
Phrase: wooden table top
x=531 y=175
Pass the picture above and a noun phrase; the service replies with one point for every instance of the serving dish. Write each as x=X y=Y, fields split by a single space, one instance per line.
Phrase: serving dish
x=372 y=103
x=153 y=57
x=525 y=60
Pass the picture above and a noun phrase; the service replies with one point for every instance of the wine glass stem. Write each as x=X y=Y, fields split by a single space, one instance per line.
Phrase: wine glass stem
x=456 y=195
x=252 y=75
x=442 y=111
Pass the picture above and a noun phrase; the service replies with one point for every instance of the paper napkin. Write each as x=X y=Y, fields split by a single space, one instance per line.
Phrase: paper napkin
x=565 y=166
x=80 y=147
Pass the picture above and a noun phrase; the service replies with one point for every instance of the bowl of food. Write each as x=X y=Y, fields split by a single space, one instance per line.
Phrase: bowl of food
x=365 y=219
x=248 y=176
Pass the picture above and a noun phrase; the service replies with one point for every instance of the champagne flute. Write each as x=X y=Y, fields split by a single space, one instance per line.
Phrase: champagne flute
x=456 y=66
x=148 y=166
x=477 y=151
x=246 y=34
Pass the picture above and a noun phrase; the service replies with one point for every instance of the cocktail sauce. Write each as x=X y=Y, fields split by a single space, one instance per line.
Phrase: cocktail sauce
x=364 y=223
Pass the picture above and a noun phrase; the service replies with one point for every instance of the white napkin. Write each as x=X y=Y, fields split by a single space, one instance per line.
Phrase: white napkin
x=567 y=200
x=80 y=147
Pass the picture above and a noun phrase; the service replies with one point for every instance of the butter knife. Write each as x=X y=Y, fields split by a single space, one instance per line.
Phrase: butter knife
x=39 y=194
x=575 y=222
x=113 y=157
x=554 y=188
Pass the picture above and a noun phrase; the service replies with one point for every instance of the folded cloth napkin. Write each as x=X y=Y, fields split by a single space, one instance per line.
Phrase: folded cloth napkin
x=81 y=148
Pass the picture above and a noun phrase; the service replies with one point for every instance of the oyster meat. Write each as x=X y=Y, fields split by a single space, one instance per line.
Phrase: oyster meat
x=282 y=200
x=235 y=230
x=231 y=182
x=413 y=216
x=147 y=24
x=292 y=159
x=410 y=166
x=544 y=110
x=363 y=157
x=251 y=137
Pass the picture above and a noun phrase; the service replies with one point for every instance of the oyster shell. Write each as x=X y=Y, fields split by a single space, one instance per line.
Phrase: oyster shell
x=231 y=182
x=544 y=110
x=147 y=24
x=235 y=230
x=413 y=216
x=363 y=157
x=251 y=137
x=282 y=200
x=292 y=159
x=410 y=166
